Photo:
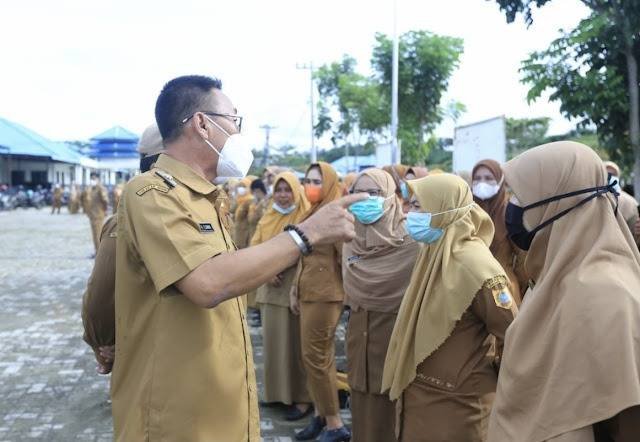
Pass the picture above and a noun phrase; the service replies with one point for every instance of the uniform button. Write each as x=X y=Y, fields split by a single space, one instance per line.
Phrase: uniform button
x=364 y=333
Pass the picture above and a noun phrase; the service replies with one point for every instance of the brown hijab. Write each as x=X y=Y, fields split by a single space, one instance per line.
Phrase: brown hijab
x=397 y=172
x=495 y=206
x=331 y=189
x=419 y=172
x=572 y=356
x=377 y=264
x=348 y=181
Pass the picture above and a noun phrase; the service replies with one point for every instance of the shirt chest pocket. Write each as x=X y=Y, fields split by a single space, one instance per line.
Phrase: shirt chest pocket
x=206 y=222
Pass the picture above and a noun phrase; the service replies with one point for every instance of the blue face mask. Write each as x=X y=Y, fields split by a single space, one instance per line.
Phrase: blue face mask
x=404 y=189
x=282 y=210
x=419 y=227
x=368 y=211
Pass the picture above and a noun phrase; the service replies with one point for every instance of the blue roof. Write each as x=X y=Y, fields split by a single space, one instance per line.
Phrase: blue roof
x=353 y=163
x=115 y=134
x=16 y=139
x=116 y=142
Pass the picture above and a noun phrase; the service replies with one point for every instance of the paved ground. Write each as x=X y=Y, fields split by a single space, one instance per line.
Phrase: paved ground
x=49 y=389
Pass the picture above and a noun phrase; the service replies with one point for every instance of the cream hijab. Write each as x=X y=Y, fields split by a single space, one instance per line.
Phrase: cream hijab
x=572 y=356
x=446 y=278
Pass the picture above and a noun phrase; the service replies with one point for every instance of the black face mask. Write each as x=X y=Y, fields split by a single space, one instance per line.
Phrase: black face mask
x=514 y=215
x=146 y=163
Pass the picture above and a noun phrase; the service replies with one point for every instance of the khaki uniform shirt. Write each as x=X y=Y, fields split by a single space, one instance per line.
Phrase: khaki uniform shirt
x=98 y=202
x=319 y=277
x=98 y=314
x=181 y=372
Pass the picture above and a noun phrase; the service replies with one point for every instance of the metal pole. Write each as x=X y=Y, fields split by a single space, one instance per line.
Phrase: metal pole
x=395 y=153
x=314 y=153
x=265 y=155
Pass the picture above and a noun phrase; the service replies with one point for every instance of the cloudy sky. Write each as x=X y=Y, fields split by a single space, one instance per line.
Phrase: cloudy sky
x=73 y=68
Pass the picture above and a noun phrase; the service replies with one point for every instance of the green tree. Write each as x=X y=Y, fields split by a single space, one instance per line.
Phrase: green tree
x=426 y=63
x=593 y=71
x=355 y=108
x=355 y=98
x=525 y=133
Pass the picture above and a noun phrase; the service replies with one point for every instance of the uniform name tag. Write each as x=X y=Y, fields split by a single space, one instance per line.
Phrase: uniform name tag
x=206 y=228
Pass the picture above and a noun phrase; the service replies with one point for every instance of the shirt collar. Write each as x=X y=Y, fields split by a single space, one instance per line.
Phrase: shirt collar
x=186 y=175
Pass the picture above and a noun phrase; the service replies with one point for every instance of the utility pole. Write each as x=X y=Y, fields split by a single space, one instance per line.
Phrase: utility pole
x=265 y=153
x=395 y=152
x=309 y=66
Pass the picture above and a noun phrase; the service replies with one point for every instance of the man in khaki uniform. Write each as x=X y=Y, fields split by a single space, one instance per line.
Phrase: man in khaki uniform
x=98 y=308
x=57 y=199
x=97 y=203
x=183 y=366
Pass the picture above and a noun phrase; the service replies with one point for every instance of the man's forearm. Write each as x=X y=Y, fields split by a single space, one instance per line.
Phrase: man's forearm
x=234 y=274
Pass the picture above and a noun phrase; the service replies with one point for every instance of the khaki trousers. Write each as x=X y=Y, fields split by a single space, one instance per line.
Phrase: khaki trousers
x=96 y=228
x=318 y=323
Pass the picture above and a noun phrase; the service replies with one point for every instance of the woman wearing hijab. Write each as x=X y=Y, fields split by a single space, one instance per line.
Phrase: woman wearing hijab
x=571 y=365
x=490 y=193
x=398 y=173
x=439 y=365
x=376 y=267
x=241 y=218
x=256 y=208
x=627 y=204
x=348 y=181
x=318 y=295
x=412 y=174
x=284 y=376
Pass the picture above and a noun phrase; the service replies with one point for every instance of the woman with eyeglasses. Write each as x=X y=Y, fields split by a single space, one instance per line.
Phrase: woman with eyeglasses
x=317 y=295
x=439 y=365
x=376 y=267
x=284 y=375
x=243 y=199
x=490 y=193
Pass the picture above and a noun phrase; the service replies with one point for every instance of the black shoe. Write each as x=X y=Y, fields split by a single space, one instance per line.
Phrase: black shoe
x=295 y=414
x=263 y=404
x=312 y=430
x=344 y=399
x=341 y=434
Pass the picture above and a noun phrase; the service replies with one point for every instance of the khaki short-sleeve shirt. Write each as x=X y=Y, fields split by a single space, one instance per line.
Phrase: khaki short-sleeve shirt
x=182 y=372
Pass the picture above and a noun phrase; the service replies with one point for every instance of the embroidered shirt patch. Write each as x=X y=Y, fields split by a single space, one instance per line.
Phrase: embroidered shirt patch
x=503 y=298
x=145 y=189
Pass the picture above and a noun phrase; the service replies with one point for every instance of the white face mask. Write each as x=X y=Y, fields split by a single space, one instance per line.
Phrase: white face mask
x=484 y=191
x=237 y=157
x=241 y=191
x=617 y=187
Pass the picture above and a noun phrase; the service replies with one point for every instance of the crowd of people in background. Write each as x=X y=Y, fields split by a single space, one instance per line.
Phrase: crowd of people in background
x=428 y=306
x=501 y=304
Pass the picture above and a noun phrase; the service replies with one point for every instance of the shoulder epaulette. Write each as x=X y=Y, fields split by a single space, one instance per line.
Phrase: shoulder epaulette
x=167 y=178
